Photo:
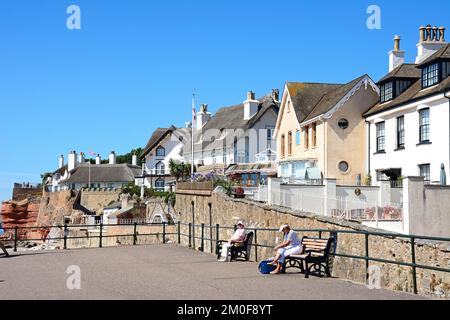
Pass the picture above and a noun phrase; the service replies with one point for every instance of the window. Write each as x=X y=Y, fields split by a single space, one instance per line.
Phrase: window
x=343 y=124
x=445 y=69
x=297 y=137
x=401 y=86
x=381 y=176
x=401 y=132
x=283 y=147
x=425 y=172
x=224 y=157
x=270 y=133
x=160 y=185
x=290 y=143
x=160 y=168
x=430 y=75
x=386 y=92
x=343 y=166
x=288 y=106
x=314 y=134
x=381 y=139
x=285 y=170
x=424 y=125
x=306 y=137
x=213 y=156
x=160 y=152
x=247 y=150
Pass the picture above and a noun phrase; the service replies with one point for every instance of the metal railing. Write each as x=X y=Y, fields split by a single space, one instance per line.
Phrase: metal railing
x=192 y=237
x=413 y=241
x=15 y=235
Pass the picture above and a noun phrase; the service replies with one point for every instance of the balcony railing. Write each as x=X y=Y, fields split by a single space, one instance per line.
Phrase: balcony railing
x=158 y=172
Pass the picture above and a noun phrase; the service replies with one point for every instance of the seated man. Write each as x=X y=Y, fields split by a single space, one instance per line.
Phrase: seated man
x=238 y=237
x=2 y=246
x=290 y=246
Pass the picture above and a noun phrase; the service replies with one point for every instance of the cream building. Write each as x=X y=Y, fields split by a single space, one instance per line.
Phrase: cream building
x=321 y=133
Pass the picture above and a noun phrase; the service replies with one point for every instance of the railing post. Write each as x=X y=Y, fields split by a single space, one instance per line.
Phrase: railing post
x=65 y=236
x=203 y=238
x=135 y=234
x=256 y=245
x=366 y=236
x=179 y=232
x=16 y=236
x=320 y=234
x=164 y=233
x=217 y=236
x=413 y=261
x=100 y=244
x=190 y=236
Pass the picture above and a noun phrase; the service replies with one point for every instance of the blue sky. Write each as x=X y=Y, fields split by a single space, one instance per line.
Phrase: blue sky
x=134 y=64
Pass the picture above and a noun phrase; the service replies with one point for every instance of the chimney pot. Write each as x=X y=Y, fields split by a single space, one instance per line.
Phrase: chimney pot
x=428 y=38
x=204 y=108
x=442 y=34
x=435 y=35
x=250 y=95
x=275 y=94
x=422 y=33
x=98 y=160
x=112 y=157
x=397 y=43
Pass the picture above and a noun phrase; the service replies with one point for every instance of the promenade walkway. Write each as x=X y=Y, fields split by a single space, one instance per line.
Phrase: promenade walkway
x=162 y=272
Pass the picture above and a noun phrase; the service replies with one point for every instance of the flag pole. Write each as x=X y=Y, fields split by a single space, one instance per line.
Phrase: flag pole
x=192 y=136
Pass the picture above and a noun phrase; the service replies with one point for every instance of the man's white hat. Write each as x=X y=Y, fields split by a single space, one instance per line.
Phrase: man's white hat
x=283 y=226
x=240 y=223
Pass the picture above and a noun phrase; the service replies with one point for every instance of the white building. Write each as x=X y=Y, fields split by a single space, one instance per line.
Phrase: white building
x=240 y=134
x=164 y=145
x=409 y=129
x=79 y=173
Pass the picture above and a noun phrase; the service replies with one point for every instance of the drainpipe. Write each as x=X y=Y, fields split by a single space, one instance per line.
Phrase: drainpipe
x=445 y=95
x=368 y=147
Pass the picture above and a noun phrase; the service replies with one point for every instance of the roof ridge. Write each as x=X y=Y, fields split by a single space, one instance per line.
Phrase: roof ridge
x=327 y=83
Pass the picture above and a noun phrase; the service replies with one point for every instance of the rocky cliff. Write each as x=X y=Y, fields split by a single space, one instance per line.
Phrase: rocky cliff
x=21 y=214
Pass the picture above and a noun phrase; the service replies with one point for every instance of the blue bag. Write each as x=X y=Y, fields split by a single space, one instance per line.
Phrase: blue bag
x=265 y=267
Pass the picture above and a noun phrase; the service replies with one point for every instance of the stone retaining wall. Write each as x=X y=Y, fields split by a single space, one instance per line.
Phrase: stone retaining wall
x=225 y=211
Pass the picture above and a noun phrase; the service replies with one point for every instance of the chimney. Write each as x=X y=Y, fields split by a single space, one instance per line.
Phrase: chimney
x=431 y=40
x=98 y=160
x=134 y=160
x=61 y=161
x=275 y=94
x=250 y=106
x=72 y=161
x=125 y=198
x=203 y=116
x=396 y=56
x=112 y=157
x=81 y=158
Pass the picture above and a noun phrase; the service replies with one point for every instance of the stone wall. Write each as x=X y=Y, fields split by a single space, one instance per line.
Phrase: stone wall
x=96 y=200
x=222 y=210
x=20 y=193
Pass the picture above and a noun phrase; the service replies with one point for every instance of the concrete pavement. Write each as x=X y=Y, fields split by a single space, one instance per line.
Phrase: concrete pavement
x=163 y=272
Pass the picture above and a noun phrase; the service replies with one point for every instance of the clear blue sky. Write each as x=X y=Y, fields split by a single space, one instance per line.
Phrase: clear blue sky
x=133 y=65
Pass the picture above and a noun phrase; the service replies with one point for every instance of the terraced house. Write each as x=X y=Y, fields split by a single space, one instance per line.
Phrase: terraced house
x=321 y=132
x=410 y=126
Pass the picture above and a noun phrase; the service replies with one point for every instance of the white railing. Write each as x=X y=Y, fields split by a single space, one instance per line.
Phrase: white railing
x=338 y=207
x=158 y=172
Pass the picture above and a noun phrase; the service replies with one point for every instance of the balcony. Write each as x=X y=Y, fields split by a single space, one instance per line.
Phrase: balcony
x=157 y=173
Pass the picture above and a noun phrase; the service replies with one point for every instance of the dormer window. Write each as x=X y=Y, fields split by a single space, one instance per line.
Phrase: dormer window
x=160 y=152
x=445 y=69
x=430 y=75
x=386 y=92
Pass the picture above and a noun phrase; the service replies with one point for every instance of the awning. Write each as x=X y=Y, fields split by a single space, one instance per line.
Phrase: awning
x=252 y=168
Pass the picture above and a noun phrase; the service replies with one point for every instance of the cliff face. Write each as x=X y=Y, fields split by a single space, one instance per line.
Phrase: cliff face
x=21 y=214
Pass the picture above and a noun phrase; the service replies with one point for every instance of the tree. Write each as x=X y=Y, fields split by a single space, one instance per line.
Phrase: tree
x=179 y=170
x=45 y=176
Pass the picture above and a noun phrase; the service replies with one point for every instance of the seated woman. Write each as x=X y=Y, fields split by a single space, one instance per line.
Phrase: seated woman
x=291 y=245
x=238 y=237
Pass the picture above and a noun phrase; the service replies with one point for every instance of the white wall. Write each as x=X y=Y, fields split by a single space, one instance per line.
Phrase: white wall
x=436 y=153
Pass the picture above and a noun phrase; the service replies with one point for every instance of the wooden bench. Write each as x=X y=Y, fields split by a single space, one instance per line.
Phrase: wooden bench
x=316 y=254
x=239 y=251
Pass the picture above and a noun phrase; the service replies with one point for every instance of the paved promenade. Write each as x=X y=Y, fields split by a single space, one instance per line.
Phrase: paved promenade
x=162 y=272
